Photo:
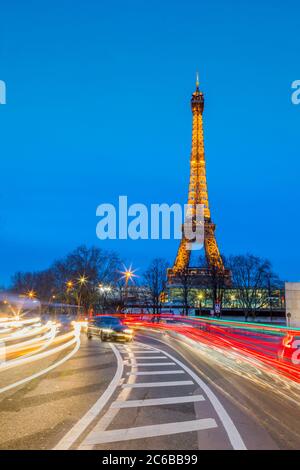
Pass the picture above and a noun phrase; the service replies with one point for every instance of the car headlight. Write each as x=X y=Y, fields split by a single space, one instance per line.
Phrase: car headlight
x=128 y=331
x=107 y=330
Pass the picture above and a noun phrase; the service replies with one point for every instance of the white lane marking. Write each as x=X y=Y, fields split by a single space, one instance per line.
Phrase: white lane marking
x=110 y=414
x=157 y=372
x=99 y=431
x=148 y=358
x=150 y=364
x=159 y=384
x=150 y=431
x=68 y=440
x=144 y=352
x=157 y=401
x=44 y=371
x=231 y=430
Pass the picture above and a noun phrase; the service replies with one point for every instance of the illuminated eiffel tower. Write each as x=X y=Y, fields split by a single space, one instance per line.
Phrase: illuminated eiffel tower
x=198 y=195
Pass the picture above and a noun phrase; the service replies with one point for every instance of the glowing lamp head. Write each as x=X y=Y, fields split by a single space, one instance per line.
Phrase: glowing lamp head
x=31 y=294
x=82 y=280
x=128 y=274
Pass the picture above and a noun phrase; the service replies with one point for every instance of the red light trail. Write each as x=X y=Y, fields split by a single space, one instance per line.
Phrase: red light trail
x=272 y=347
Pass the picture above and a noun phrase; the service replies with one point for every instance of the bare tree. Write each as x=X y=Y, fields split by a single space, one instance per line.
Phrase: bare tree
x=214 y=280
x=73 y=279
x=95 y=264
x=41 y=283
x=84 y=269
x=155 y=279
x=186 y=281
x=254 y=279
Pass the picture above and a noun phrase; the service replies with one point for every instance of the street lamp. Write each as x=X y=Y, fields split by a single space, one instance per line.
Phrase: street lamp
x=128 y=275
x=200 y=298
x=31 y=294
x=53 y=299
x=70 y=286
x=82 y=279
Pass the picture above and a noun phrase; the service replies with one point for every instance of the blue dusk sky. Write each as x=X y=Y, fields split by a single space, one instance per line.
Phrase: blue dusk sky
x=98 y=105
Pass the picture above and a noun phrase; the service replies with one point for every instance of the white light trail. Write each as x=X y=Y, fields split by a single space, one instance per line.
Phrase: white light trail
x=43 y=342
x=48 y=369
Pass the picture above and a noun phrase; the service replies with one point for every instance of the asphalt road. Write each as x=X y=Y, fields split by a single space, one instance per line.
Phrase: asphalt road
x=154 y=393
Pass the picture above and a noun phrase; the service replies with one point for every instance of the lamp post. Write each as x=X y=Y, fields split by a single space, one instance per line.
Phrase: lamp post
x=70 y=286
x=82 y=280
x=200 y=298
x=128 y=275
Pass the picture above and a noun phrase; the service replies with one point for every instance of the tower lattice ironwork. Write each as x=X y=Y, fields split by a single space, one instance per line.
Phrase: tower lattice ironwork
x=198 y=194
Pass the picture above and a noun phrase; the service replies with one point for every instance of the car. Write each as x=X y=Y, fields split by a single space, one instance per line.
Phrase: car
x=109 y=329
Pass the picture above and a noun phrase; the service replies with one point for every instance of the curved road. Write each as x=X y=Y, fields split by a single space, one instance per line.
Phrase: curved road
x=157 y=392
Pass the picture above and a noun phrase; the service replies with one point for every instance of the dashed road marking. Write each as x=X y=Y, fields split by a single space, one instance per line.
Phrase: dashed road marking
x=230 y=428
x=149 y=358
x=157 y=401
x=150 y=431
x=139 y=351
x=176 y=383
x=99 y=433
x=157 y=372
x=75 y=432
x=150 y=364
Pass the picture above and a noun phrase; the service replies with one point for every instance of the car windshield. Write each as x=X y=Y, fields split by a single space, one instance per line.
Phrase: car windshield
x=108 y=322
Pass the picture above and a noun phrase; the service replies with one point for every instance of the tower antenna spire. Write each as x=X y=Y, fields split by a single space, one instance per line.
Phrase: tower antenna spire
x=197 y=81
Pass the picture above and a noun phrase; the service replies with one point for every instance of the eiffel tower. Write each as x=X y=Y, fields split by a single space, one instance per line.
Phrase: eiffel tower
x=198 y=195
